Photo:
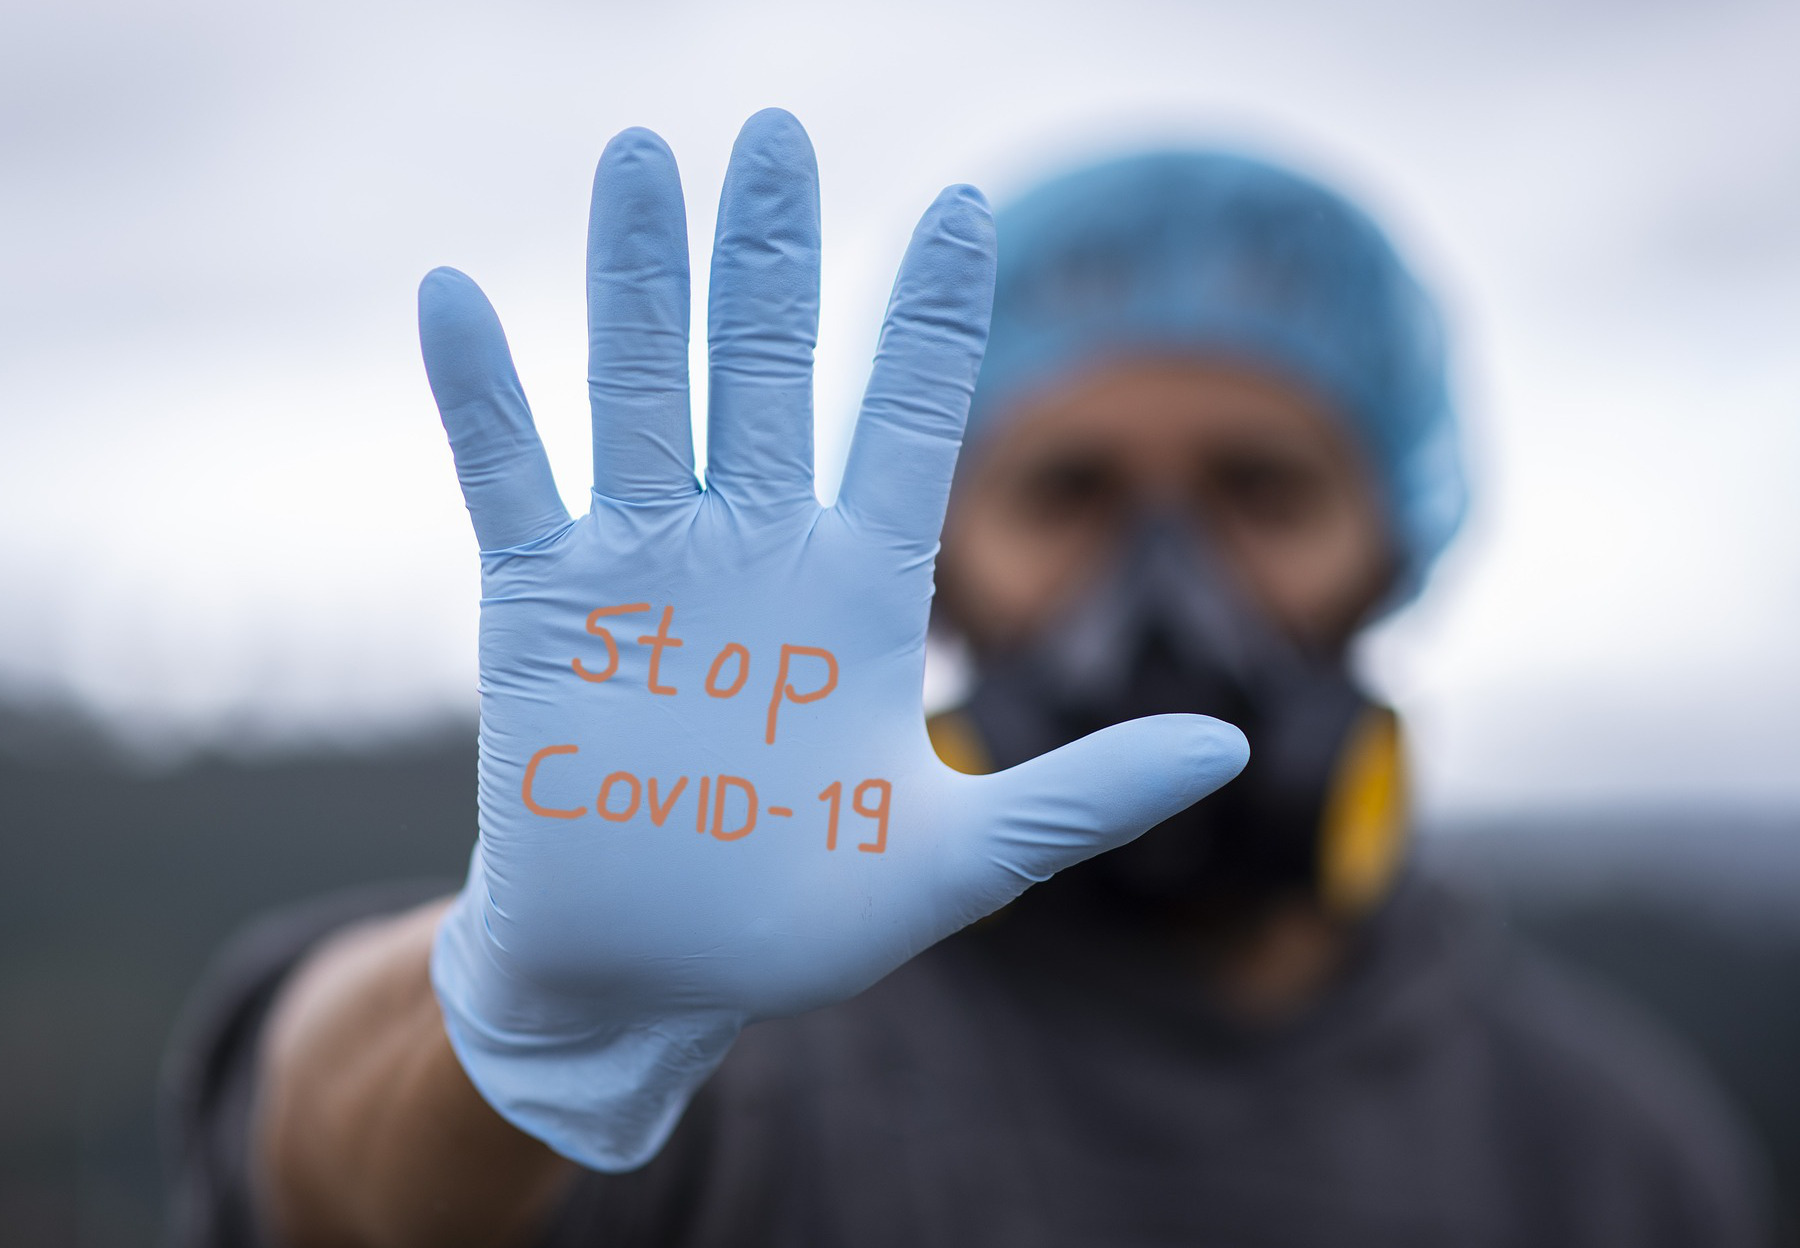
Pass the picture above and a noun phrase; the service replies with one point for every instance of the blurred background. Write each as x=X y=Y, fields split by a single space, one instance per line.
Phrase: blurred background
x=238 y=588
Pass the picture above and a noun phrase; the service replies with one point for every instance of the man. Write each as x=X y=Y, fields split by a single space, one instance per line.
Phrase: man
x=697 y=988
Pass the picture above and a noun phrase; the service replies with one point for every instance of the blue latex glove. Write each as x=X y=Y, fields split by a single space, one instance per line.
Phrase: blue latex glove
x=707 y=794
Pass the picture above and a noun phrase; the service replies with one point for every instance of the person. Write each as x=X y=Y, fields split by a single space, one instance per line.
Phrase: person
x=1211 y=440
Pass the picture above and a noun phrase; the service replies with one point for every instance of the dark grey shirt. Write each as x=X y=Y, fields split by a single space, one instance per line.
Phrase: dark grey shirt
x=1045 y=1079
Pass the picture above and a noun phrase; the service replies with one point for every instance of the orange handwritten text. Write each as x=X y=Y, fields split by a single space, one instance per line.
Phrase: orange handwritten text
x=802 y=673
x=531 y=774
x=784 y=688
x=612 y=647
x=726 y=807
x=656 y=641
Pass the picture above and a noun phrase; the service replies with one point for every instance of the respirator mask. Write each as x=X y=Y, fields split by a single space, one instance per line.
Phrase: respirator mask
x=1318 y=811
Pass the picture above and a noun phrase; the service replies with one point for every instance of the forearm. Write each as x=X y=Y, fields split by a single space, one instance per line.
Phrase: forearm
x=368 y=1132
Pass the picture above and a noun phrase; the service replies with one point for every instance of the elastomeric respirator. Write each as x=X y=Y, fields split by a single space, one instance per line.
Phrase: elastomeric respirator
x=1319 y=809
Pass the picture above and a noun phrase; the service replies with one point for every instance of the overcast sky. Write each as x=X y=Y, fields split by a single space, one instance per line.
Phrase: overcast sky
x=227 y=513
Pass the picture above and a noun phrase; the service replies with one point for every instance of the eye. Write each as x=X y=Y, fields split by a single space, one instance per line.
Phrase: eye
x=1265 y=488
x=1065 y=488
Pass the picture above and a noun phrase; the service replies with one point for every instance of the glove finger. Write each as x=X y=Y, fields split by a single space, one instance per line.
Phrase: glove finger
x=1098 y=793
x=505 y=477
x=638 y=312
x=763 y=316
x=903 y=455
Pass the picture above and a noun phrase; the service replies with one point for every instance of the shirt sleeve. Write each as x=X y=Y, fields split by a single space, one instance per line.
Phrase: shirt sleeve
x=209 y=1071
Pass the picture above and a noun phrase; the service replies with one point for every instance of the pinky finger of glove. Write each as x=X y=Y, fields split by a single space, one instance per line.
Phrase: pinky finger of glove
x=505 y=477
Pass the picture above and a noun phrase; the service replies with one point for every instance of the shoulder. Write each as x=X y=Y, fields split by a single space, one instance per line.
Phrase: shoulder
x=1616 y=1096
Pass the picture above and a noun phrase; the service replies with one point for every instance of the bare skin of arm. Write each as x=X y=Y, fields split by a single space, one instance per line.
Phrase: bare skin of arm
x=368 y=1133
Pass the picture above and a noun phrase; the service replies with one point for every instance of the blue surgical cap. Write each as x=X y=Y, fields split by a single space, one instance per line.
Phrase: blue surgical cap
x=1218 y=254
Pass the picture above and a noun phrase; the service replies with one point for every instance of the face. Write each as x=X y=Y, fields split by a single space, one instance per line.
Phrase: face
x=1261 y=468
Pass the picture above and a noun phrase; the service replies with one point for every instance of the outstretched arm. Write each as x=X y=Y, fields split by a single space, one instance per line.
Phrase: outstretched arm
x=707 y=795
x=368 y=1131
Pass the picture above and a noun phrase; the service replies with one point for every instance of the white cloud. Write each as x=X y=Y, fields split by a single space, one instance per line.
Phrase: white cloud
x=226 y=501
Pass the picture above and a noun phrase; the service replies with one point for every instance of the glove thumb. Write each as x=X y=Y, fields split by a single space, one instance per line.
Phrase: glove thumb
x=1097 y=793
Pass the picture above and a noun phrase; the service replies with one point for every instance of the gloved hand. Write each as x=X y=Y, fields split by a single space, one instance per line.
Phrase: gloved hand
x=706 y=792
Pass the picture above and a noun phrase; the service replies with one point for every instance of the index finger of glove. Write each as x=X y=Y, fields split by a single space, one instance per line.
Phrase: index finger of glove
x=903 y=454
x=505 y=477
